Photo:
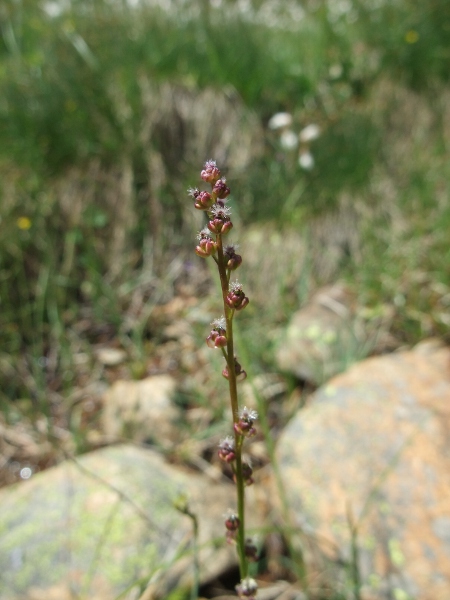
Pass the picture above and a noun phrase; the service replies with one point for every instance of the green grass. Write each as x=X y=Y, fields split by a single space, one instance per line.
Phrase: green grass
x=97 y=152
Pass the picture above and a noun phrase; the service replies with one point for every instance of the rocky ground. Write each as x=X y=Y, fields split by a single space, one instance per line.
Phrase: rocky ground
x=363 y=463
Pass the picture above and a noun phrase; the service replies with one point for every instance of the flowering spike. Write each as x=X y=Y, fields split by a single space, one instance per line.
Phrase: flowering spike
x=214 y=204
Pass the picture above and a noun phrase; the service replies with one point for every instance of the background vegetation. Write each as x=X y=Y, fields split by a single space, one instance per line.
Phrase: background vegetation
x=107 y=109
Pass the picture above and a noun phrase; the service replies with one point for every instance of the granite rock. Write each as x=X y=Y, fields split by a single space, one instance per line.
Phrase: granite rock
x=369 y=456
x=94 y=527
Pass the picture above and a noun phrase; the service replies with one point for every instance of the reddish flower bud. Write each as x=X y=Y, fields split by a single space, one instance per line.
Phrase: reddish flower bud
x=240 y=373
x=220 y=226
x=206 y=246
x=232 y=522
x=220 y=222
x=220 y=189
x=251 y=550
x=236 y=298
x=217 y=337
x=244 y=426
x=204 y=201
x=210 y=172
x=233 y=260
x=226 y=450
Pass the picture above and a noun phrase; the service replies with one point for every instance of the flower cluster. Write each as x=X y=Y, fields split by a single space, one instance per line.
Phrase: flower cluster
x=210 y=244
x=282 y=124
x=233 y=260
x=227 y=451
x=206 y=245
x=217 y=337
x=232 y=523
x=236 y=298
x=244 y=425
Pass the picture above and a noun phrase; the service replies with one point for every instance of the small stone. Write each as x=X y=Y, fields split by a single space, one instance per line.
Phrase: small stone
x=110 y=357
x=141 y=410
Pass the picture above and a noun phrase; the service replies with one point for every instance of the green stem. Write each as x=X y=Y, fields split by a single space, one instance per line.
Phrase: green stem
x=224 y=282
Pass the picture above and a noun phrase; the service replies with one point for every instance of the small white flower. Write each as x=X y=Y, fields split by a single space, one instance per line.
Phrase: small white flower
x=231 y=248
x=220 y=323
x=288 y=140
x=309 y=133
x=335 y=71
x=235 y=286
x=220 y=211
x=280 y=120
x=248 y=414
x=227 y=443
x=306 y=160
x=204 y=233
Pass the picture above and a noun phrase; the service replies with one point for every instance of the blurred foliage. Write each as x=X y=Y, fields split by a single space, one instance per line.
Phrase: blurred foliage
x=96 y=154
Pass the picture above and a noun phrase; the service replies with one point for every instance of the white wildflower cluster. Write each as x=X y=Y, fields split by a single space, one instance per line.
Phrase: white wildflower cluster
x=282 y=123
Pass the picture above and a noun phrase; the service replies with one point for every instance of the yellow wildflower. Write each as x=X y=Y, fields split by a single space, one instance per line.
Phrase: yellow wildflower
x=411 y=36
x=23 y=223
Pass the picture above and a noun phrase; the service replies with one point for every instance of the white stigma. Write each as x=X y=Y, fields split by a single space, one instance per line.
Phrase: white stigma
x=220 y=323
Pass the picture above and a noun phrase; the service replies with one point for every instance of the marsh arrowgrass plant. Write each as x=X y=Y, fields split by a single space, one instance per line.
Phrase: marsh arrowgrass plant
x=211 y=245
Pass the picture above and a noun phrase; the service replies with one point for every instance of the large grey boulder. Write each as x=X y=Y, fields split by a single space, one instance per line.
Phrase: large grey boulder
x=93 y=528
x=367 y=471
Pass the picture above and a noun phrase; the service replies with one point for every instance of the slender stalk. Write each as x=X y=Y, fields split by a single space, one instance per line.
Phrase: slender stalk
x=240 y=488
